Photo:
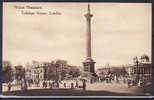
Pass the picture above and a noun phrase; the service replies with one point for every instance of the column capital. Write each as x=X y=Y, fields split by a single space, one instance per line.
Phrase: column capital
x=88 y=15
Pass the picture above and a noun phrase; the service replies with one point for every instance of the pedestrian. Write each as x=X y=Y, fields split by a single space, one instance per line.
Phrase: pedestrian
x=139 y=84
x=25 y=86
x=84 y=85
x=77 y=85
x=72 y=85
x=124 y=80
x=53 y=84
x=129 y=82
x=117 y=80
x=110 y=79
x=50 y=85
x=9 y=86
x=43 y=84
x=57 y=84
x=144 y=86
x=37 y=82
x=46 y=84
x=21 y=86
x=64 y=85
x=134 y=81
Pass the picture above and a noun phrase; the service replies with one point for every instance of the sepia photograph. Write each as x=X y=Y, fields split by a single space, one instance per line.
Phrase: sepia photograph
x=76 y=49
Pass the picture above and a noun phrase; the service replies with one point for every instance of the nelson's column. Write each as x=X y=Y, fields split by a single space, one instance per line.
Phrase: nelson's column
x=89 y=63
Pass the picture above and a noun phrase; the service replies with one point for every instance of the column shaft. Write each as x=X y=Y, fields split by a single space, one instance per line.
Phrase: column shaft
x=88 y=40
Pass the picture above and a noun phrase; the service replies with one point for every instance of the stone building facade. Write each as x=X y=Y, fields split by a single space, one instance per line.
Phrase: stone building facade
x=141 y=70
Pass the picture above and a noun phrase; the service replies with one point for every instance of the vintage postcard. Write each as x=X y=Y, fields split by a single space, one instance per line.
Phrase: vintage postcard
x=77 y=49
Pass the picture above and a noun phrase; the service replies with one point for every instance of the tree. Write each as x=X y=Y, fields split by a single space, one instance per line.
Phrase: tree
x=7 y=74
x=63 y=74
x=144 y=58
x=74 y=71
x=51 y=71
x=136 y=60
x=60 y=68
x=19 y=72
x=71 y=72
x=56 y=69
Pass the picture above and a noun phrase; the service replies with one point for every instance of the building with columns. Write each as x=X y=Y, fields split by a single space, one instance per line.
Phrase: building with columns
x=131 y=70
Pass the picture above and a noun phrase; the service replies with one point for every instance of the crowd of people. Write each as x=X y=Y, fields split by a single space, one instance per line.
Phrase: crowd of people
x=140 y=82
x=130 y=80
x=50 y=84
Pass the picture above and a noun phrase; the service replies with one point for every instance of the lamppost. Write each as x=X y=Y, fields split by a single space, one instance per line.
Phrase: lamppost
x=38 y=74
x=136 y=61
x=62 y=71
x=57 y=72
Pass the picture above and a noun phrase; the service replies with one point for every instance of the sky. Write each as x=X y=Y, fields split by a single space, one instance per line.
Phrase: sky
x=119 y=32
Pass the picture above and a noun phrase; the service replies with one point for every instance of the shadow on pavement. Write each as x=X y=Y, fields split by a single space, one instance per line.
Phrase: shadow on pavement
x=64 y=92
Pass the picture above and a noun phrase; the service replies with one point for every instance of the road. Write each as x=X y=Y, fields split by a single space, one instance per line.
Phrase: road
x=96 y=89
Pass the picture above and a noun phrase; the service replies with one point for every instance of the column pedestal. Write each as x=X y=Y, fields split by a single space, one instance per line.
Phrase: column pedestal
x=89 y=68
x=89 y=65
